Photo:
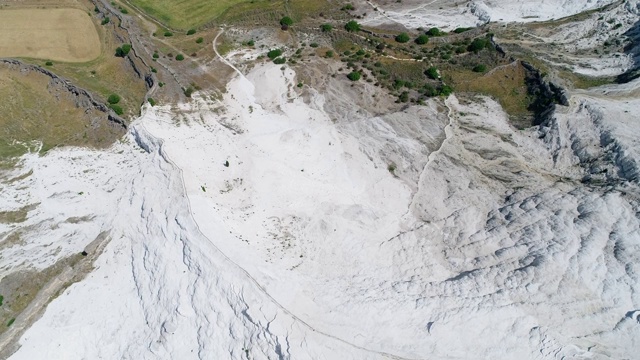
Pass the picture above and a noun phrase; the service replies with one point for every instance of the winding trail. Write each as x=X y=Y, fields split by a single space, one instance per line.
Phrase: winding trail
x=215 y=49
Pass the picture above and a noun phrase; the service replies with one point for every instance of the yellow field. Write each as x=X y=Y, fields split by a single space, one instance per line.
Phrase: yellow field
x=66 y=35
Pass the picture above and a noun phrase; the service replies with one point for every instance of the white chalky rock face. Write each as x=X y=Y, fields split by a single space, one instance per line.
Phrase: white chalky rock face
x=449 y=14
x=490 y=243
x=273 y=227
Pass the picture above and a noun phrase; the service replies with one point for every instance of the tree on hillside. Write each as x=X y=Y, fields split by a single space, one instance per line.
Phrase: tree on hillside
x=479 y=44
x=326 y=27
x=354 y=76
x=435 y=32
x=432 y=73
x=286 y=21
x=273 y=54
x=123 y=50
x=422 y=39
x=403 y=38
x=352 y=26
x=113 y=99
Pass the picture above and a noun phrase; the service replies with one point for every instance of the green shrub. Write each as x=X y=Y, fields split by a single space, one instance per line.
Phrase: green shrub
x=403 y=38
x=430 y=91
x=286 y=21
x=199 y=40
x=461 y=30
x=404 y=97
x=96 y=9
x=360 y=52
x=326 y=27
x=435 y=32
x=188 y=91
x=280 y=60
x=191 y=31
x=113 y=99
x=329 y=54
x=352 y=26
x=168 y=33
x=123 y=50
x=348 y=7
x=273 y=54
x=124 y=11
x=422 y=39
x=105 y=21
x=354 y=76
x=478 y=44
x=397 y=84
x=432 y=73
x=179 y=57
x=251 y=43
x=1 y=300
x=49 y=63
x=445 y=90
x=314 y=45
x=480 y=68
x=116 y=108
x=154 y=70
x=156 y=55
x=11 y=322
x=151 y=102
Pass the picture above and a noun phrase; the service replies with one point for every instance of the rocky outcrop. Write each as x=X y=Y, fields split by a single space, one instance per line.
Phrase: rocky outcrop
x=546 y=94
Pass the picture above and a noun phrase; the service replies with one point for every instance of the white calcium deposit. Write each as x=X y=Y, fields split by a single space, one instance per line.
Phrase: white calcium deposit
x=449 y=14
x=505 y=244
x=284 y=223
